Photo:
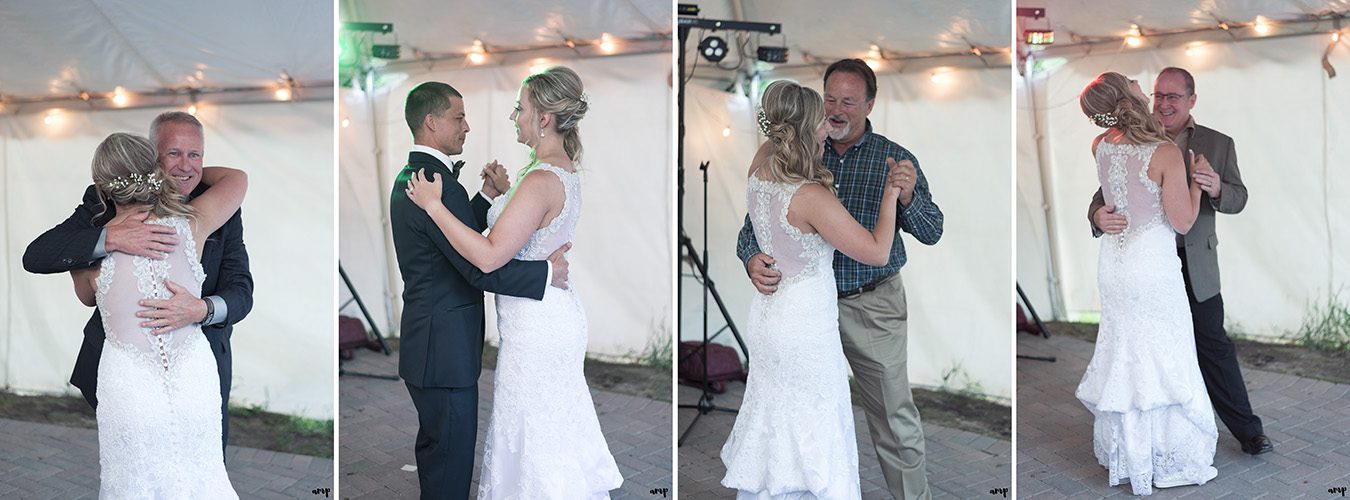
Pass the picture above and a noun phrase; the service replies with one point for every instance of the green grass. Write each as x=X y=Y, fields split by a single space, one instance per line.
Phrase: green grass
x=1326 y=326
x=658 y=353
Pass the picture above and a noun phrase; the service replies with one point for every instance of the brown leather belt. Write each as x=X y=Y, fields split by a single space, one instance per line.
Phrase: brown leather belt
x=866 y=288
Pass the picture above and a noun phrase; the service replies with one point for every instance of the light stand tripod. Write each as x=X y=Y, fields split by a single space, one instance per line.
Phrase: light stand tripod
x=375 y=330
x=700 y=268
x=1045 y=334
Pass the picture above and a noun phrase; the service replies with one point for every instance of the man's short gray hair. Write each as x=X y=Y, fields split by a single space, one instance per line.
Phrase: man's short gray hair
x=173 y=117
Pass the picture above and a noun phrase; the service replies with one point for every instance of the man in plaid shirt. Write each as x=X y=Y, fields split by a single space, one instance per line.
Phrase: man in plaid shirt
x=872 y=311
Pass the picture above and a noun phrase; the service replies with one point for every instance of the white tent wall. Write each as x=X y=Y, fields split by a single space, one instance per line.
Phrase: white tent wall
x=958 y=290
x=282 y=351
x=624 y=234
x=1033 y=252
x=1285 y=250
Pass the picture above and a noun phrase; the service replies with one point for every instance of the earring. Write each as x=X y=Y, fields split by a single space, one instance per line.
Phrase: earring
x=541 y=133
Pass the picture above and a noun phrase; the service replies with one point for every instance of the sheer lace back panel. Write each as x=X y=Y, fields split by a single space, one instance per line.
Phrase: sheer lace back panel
x=796 y=254
x=1122 y=170
x=559 y=230
x=124 y=280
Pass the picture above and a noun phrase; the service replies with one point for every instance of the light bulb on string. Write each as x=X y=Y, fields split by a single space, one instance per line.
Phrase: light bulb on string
x=1136 y=37
x=346 y=122
x=726 y=132
x=1262 y=26
x=607 y=45
x=119 y=97
x=477 y=54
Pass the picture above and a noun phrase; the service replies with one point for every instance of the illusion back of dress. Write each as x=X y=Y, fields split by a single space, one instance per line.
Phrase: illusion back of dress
x=1122 y=170
x=125 y=280
x=796 y=254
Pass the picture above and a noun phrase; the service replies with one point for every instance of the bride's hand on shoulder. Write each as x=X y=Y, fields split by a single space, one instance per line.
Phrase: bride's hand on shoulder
x=425 y=192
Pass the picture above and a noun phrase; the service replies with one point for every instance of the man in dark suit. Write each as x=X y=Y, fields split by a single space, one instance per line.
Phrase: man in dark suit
x=83 y=240
x=441 y=332
x=1216 y=171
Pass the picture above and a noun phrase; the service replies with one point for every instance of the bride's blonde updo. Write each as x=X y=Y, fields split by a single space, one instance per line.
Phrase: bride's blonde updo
x=558 y=91
x=791 y=115
x=126 y=172
x=1110 y=103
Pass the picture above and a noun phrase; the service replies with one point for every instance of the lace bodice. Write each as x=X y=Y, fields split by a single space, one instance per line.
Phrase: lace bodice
x=558 y=231
x=124 y=280
x=796 y=254
x=1122 y=170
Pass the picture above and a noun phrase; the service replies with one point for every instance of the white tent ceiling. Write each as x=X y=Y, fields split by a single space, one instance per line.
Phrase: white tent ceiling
x=167 y=47
x=940 y=33
x=431 y=37
x=1095 y=18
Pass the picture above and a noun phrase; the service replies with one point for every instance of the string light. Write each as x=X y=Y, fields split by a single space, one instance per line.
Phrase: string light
x=1262 y=27
x=1136 y=38
x=1193 y=49
x=940 y=77
x=284 y=92
x=119 y=97
x=346 y=122
x=52 y=117
x=873 y=59
x=726 y=132
x=478 y=54
x=1336 y=37
x=607 y=43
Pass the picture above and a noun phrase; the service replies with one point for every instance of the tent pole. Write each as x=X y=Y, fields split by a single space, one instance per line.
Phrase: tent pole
x=385 y=186
x=1052 y=267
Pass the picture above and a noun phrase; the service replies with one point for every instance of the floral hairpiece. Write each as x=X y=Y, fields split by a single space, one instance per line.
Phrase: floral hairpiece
x=138 y=180
x=1105 y=120
x=586 y=98
x=763 y=120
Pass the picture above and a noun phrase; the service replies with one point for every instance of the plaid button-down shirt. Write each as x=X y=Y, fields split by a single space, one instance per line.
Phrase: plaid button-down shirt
x=859 y=179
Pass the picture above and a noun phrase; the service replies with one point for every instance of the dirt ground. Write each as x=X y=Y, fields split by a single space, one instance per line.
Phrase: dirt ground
x=249 y=428
x=1279 y=358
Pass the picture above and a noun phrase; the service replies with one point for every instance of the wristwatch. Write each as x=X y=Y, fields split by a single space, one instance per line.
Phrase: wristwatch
x=210 y=312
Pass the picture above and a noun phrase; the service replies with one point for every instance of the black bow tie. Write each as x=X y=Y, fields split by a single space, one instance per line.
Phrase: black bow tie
x=454 y=169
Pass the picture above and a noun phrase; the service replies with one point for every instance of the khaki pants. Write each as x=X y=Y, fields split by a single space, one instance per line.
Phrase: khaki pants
x=873 y=326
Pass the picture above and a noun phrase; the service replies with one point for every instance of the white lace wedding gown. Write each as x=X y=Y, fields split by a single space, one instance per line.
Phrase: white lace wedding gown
x=793 y=437
x=158 y=395
x=1153 y=418
x=544 y=440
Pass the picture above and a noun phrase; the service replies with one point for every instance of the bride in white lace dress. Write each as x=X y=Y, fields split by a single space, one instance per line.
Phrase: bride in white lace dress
x=544 y=439
x=1154 y=425
x=793 y=437
x=159 y=395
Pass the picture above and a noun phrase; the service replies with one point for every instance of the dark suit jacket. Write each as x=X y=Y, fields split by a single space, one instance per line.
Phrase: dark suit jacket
x=1202 y=258
x=441 y=333
x=224 y=258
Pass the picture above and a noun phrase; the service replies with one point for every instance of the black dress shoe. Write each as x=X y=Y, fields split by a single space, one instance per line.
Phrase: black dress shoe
x=1257 y=445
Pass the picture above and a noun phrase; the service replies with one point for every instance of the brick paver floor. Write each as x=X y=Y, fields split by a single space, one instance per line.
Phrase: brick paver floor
x=378 y=427
x=1307 y=419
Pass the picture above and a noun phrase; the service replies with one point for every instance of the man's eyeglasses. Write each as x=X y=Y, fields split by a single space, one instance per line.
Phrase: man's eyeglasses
x=1169 y=98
